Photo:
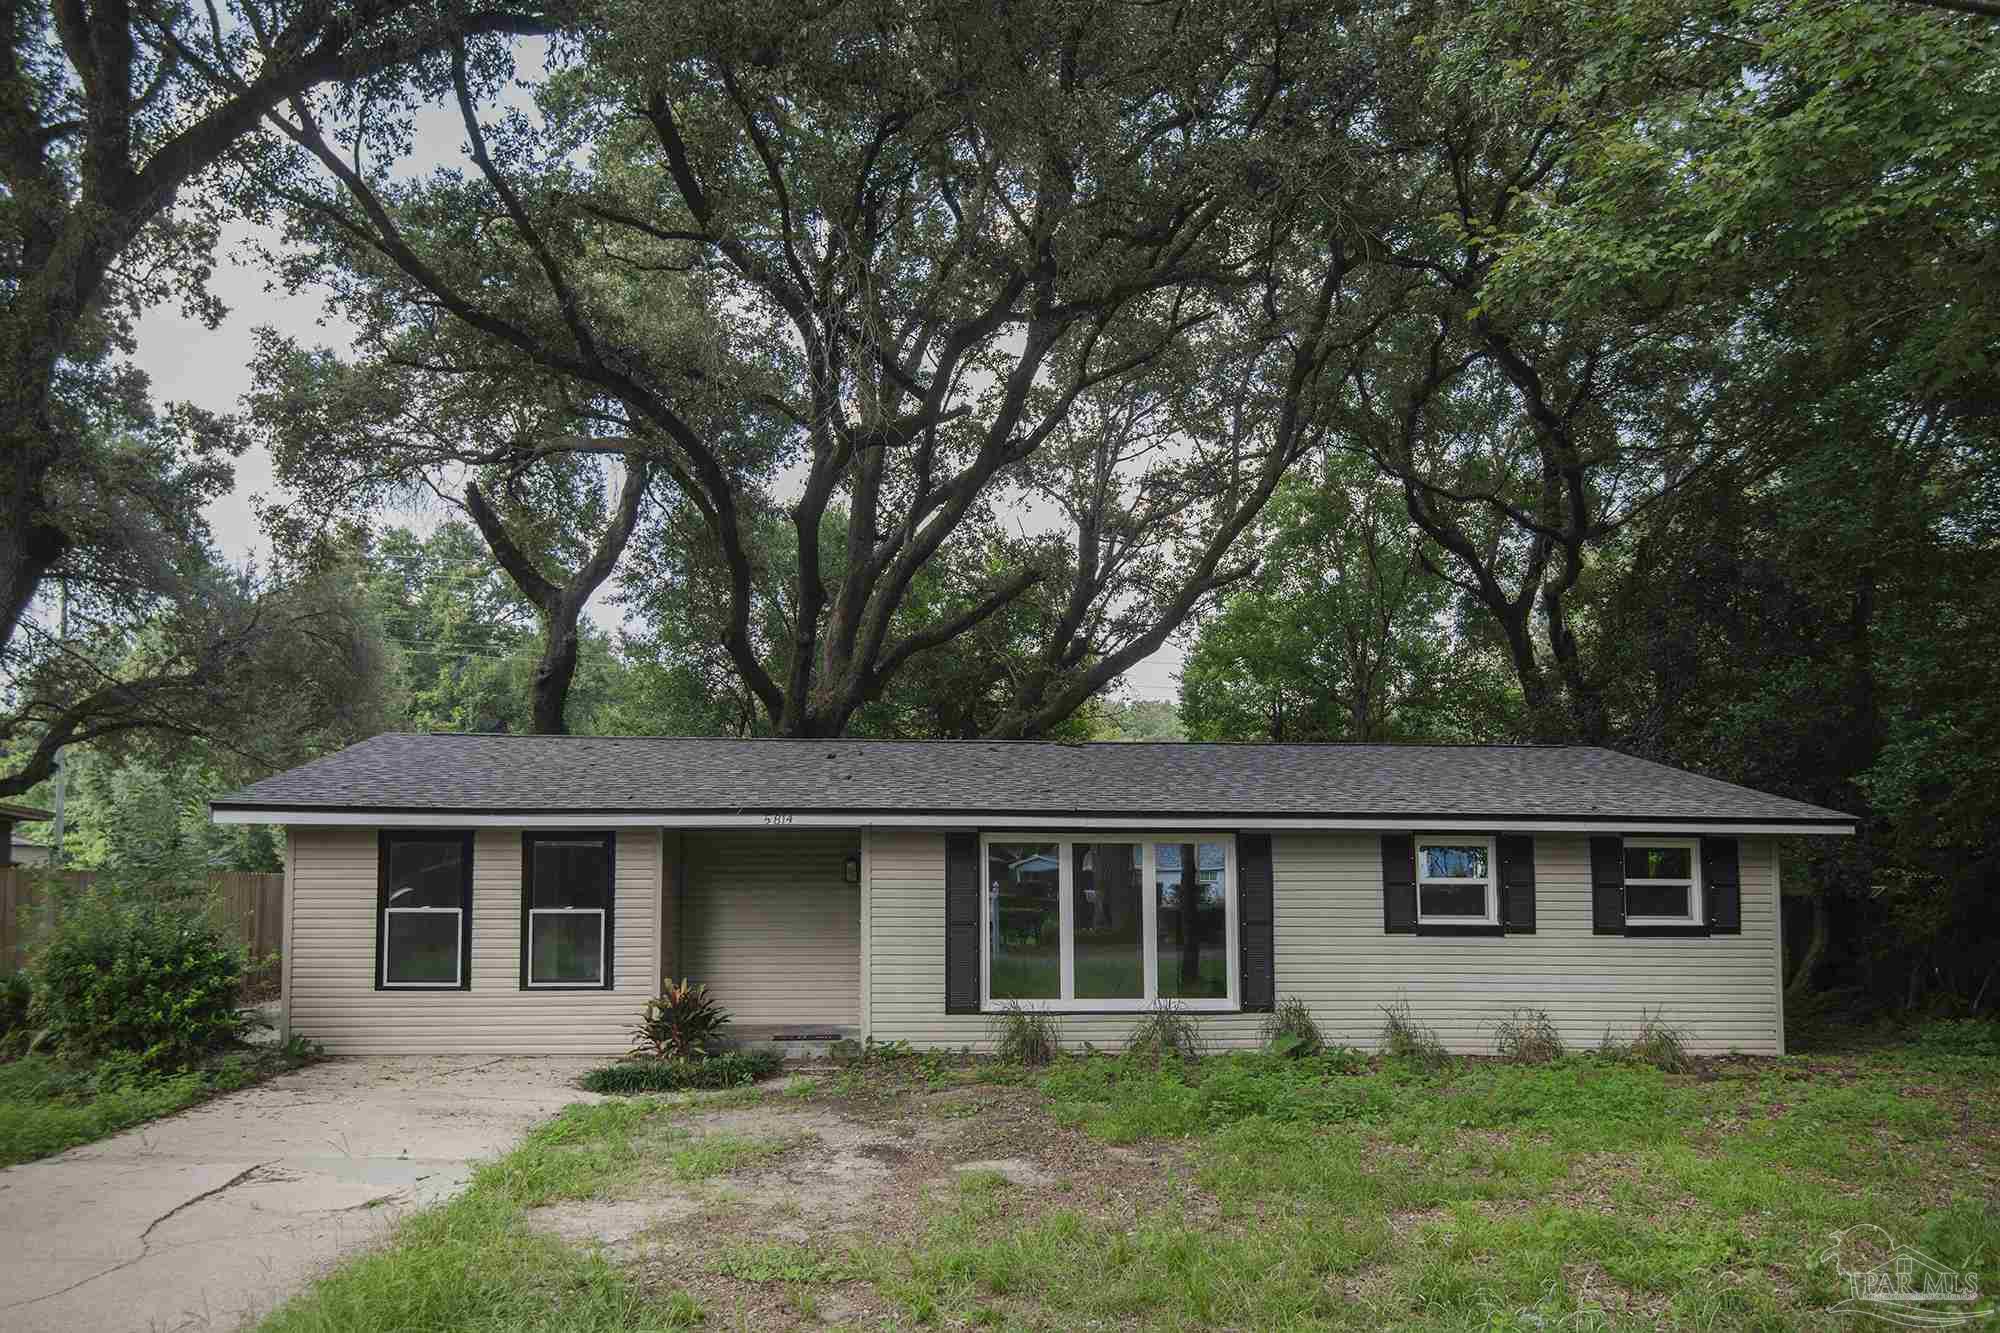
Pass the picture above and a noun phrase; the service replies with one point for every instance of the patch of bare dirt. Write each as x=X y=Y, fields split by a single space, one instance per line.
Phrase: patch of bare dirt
x=864 y=1160
x=1402 y=1224
x=615 y=1224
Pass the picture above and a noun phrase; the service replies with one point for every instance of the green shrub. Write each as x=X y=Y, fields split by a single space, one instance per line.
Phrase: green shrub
x=1958 y=1036
x=681 y=1023
x=1168 y=1028
x=150 y=978
x=1290 y=1030
x=1026 y=1036
x=1527 y=1037
x=733 y=1070
x=16 y=991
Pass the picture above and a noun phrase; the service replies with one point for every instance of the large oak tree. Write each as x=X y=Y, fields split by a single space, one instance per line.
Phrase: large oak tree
x=884 y=260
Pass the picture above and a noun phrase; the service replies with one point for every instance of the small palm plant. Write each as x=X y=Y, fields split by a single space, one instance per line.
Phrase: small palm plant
x=681 y=1023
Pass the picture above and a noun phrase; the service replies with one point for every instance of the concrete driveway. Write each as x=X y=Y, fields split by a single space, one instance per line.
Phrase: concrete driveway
x=210 y=1218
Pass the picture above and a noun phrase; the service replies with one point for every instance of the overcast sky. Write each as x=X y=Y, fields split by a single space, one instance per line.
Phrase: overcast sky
x=210 y=368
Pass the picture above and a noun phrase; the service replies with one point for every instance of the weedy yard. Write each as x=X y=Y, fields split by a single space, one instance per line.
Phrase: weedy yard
x=1246 y=1191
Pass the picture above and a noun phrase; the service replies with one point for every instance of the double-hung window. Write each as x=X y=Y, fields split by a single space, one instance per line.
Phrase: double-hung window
x=1109 y=922
x=423 y=936
x=566 y=910
x=1455 y=881
x=1662 y=882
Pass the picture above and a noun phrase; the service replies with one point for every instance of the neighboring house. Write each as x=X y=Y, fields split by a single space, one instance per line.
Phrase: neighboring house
x=18 y=851
x=26 y=853
x=526 y=894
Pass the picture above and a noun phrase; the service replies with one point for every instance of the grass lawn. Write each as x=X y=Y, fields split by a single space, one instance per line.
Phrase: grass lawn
x=1240 y=1192
x=47 y=1105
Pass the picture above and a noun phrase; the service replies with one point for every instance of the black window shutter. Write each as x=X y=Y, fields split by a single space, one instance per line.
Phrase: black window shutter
x=1722 y=885
x=1399 y=884
x=1607 y=886
x=961 y=923
x=1517 y=883
x=1255 y=905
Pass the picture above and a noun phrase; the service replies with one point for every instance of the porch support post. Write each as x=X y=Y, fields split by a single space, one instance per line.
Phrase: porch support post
x=673 y=873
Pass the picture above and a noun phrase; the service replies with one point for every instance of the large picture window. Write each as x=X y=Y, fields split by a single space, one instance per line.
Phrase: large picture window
x=423 y=936
x=1110 y=922
x=566 y=910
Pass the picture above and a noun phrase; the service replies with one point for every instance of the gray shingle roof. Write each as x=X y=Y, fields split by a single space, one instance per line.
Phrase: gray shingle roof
x=489 y=774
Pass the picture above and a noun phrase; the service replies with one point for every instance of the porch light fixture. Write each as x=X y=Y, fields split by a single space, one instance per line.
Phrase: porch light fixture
x=850 y=870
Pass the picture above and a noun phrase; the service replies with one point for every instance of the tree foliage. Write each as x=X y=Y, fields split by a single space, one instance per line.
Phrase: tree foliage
x=258 y=668
x=1345 y=634
x=556 y=509
x=120 y=128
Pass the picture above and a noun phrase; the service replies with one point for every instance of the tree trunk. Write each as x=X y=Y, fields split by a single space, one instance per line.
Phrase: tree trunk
x=29 y=546
x=561 y=603
x=1801 y=984
x=556 y=670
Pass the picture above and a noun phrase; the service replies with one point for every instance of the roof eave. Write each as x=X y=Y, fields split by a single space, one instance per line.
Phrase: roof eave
x=380 y=816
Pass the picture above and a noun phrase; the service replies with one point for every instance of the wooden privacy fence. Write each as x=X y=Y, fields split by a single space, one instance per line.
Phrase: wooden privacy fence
x=248 y=904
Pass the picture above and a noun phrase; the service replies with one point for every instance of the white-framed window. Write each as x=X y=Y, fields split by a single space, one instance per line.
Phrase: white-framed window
x=1108 y=921
x=426 y=907
x=566 y=910
x=1457 y=880
x=1662 y=882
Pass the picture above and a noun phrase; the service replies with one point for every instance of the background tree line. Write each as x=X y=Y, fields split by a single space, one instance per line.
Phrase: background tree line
x=1615 y=374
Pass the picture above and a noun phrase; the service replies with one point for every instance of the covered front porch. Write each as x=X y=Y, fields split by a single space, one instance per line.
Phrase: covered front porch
x=769 y=919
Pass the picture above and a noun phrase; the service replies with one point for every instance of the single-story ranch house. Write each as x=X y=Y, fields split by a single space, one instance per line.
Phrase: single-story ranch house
x=526 y=894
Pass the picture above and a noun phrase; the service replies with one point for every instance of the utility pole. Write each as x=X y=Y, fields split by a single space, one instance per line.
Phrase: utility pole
x=62 y=762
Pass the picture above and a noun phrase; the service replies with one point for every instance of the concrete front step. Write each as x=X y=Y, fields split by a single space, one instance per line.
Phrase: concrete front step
x=794 y=1041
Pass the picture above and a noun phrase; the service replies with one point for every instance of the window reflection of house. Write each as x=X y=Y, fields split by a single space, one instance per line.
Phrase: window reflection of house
x=1209 y=865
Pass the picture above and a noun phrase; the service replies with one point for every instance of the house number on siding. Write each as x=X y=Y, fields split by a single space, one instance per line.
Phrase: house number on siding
x=779 y=819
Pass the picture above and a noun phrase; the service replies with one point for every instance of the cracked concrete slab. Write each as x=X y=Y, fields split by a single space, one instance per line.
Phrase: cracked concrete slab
x=209 y=1218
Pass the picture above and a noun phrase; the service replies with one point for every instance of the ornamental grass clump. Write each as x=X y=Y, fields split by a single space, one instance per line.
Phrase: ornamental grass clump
x=1168 y=1028
x=1654 y=1042
x=1026 y=1036
x=1527 y=1037
x=1405 y=1037
x=1290 y=1030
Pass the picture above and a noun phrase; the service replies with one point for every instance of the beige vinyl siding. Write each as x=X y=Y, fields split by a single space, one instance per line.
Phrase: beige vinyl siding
x=771 y=925
x=331 y=967
x=1332 y=952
